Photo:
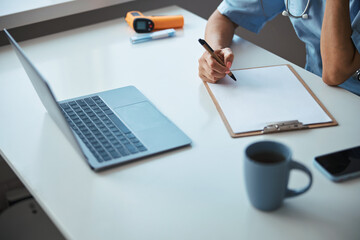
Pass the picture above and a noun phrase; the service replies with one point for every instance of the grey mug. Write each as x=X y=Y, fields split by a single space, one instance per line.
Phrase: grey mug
x=267 y=167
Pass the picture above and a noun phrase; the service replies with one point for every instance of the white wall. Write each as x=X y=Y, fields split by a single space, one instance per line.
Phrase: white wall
x=15 y=13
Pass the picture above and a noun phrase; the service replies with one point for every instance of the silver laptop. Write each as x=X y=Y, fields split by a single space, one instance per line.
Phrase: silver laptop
x=107 y=128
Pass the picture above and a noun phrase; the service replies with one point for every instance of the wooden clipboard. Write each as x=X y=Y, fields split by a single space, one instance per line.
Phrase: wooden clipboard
x=278 y=126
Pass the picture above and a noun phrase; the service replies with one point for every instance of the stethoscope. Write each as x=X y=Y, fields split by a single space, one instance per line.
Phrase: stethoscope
x=287 y=13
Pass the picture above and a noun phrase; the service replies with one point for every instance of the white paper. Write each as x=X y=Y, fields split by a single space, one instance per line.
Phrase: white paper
x=261 y=96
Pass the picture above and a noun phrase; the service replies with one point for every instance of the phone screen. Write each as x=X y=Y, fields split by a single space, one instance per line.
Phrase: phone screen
x=341 y=163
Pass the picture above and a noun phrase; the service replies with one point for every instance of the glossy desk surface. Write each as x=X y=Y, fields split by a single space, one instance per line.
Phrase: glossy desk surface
x=195 y=192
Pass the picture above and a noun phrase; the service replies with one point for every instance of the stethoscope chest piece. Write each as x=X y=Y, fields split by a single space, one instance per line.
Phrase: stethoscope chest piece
x=303 y=15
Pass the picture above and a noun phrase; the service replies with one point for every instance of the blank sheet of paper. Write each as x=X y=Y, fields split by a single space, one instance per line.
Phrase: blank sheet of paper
x=261 y=96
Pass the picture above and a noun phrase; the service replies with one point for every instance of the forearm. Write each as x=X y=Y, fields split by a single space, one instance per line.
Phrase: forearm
x=219 y=31
x=339 y=56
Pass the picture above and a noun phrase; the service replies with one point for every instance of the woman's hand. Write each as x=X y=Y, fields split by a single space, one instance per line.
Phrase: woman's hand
x=211 y=70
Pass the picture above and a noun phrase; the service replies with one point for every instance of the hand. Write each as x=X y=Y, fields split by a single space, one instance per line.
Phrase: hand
x=340 y=58
x=210 y=70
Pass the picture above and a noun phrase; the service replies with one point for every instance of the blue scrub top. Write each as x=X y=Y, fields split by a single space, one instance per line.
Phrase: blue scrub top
x=253 y=14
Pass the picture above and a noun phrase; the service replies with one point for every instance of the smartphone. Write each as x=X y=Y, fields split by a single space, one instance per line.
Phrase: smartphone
x=341 y=165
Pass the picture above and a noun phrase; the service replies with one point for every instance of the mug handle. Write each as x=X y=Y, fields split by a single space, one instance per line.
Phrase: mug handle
x=299 y=166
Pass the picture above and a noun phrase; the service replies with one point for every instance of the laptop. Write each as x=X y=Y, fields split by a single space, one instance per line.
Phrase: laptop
x=108 y=128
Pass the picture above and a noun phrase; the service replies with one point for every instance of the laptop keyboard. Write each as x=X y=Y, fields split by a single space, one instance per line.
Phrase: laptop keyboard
x=100 y=129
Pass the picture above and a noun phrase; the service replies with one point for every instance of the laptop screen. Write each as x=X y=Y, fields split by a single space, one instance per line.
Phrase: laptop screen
x=45 y=94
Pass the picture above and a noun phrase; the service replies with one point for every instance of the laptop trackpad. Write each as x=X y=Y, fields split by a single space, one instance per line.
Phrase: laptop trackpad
x=141 y=116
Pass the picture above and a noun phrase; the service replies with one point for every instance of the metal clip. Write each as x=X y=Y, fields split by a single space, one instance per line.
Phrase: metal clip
x=284 y=126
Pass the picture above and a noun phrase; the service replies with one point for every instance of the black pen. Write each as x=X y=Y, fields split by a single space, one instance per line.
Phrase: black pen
x=211 y=51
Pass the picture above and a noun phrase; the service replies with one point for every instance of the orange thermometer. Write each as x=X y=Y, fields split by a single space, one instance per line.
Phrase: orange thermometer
x=145 y=24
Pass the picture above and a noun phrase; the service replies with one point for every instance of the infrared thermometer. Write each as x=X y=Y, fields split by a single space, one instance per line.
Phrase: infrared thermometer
x=144 y=24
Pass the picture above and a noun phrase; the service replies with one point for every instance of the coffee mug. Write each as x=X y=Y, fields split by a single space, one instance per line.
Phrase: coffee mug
x=267 y=167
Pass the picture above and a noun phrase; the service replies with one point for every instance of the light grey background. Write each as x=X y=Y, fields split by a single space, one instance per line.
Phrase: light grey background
x=278 y=36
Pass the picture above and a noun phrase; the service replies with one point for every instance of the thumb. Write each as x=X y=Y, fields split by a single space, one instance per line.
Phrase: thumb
x=228 y=57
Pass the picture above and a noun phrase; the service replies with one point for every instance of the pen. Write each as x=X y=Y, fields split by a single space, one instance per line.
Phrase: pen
x=153 y=35
x=211 y=51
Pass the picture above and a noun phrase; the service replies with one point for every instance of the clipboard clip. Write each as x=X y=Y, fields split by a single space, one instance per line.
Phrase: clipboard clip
x=284 y=126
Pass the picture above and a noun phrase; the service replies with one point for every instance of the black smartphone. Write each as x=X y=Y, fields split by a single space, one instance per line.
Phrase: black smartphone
x=341 y=165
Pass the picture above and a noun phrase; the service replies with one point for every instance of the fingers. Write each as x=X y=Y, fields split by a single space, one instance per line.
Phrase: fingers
x=211 y=70
x=228 y=58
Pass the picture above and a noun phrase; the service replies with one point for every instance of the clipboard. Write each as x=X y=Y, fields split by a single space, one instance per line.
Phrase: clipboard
x=267 y=99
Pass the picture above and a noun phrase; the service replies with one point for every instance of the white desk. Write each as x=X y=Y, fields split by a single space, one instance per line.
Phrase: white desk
x=191 y=193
